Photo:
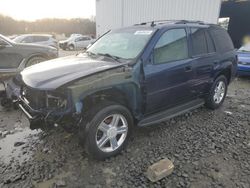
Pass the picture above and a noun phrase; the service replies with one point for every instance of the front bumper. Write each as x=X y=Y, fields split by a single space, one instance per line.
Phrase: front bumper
x=42 y=117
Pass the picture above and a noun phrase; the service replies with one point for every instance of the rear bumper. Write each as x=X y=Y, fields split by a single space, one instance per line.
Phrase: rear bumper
x=243 y=70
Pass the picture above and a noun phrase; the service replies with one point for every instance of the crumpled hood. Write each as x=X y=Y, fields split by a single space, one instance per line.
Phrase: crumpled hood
x=52 y=74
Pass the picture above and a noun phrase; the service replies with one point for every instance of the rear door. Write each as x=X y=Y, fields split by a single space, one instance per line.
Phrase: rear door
x=167 y=76
x=204 y=59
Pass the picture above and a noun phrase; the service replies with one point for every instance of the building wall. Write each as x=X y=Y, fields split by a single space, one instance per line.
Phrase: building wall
x=111 y=14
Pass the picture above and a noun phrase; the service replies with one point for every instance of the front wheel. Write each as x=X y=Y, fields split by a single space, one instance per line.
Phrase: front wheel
x=35 y=60
x=217 y=93
x=108 y=131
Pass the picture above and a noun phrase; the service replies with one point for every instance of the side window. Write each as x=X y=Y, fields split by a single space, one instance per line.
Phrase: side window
x=222 y=40
x=79 y=39
x=172 y=46
x=28 y=39
x=40 y=38
x=199 y=44
x=210 y=44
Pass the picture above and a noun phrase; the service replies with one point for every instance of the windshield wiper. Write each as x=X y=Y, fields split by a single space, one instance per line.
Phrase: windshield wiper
x=116 y=58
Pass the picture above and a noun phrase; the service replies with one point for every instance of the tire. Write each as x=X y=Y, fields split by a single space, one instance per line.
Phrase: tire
x=215 y=100
x=103 y=118
x=35 y=60
x=71 y=47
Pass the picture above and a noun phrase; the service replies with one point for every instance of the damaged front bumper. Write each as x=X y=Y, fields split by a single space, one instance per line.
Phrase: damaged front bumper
x=42 y=117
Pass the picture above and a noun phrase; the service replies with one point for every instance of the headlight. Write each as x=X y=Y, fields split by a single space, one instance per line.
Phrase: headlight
x=56 y=100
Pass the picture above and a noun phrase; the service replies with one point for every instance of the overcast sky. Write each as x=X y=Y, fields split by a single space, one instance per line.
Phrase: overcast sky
x=37 y=9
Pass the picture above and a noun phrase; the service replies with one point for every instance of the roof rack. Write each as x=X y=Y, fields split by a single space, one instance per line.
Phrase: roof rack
x=190 y=21
x=153 y=23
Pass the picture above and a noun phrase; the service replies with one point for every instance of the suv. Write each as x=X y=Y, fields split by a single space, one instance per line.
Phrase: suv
x=42 y=39
x=14 y=57
x=140 y=75
x=76 y=42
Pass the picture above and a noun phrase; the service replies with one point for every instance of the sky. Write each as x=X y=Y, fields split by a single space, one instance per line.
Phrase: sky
x=31 y=10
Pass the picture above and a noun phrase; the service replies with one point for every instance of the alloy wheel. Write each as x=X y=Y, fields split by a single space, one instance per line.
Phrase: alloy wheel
x=111 y=133
x=219 y=92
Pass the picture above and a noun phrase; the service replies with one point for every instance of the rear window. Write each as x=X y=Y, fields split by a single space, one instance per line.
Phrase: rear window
x=222 y=40
x=199 y=43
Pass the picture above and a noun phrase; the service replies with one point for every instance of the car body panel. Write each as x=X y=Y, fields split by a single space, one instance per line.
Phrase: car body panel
x=56 y=73
x=244 y=64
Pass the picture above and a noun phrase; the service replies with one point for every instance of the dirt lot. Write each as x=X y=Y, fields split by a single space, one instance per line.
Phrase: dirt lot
x=208 y=149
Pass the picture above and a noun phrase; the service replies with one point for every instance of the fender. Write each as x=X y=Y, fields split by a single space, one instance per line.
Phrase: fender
x=122 y=80
x=218 y=69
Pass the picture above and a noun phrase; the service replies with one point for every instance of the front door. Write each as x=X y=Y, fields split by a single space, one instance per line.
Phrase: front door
x=167 y=76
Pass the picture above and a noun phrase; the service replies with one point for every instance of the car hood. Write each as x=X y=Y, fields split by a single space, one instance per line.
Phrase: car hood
x=52 y=74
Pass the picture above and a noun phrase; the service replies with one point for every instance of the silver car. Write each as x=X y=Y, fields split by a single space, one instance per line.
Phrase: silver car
x=41 y=39
x=76 y=42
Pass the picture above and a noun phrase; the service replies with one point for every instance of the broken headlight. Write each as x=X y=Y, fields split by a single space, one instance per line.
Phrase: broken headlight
x=56 y=100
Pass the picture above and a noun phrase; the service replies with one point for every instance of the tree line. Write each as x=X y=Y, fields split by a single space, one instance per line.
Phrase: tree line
x=10 y=26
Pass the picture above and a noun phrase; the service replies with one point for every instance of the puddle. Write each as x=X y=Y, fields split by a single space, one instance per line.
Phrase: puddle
x=21 y=153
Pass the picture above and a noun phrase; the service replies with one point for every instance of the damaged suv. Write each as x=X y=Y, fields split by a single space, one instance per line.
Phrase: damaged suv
x=140 y=75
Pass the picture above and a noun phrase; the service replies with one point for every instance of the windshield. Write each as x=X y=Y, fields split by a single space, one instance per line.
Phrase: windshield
x=125 y=44
x=6 y=39
x=245 y=48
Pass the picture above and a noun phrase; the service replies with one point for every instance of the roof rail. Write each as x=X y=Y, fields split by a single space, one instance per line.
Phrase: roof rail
x=190 y=21
x=153 y=23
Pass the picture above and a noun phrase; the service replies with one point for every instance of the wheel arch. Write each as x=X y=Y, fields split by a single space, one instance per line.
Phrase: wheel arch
x=126 y=95
x=225 y=70
x=36 y=55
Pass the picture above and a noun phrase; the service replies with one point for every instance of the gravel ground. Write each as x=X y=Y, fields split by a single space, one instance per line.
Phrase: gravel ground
x=208 y=149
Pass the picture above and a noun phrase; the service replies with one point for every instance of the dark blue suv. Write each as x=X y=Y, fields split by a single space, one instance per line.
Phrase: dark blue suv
x=140 y=75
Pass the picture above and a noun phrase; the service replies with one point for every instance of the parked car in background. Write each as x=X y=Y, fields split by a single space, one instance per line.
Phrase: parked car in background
x=41 y=39
x=75 y=35
x=76 y=43
x=244 y=60
x=14 y=57
x=140 y=75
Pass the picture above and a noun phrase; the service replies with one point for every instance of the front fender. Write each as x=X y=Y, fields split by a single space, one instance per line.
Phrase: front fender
x=121 y=79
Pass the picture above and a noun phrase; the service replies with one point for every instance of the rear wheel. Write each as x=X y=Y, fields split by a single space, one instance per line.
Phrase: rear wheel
x=217 y=93
x=35 y=60
x=108 y=131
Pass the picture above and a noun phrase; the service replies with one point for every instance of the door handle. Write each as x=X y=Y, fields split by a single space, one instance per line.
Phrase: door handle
x=188 y=68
